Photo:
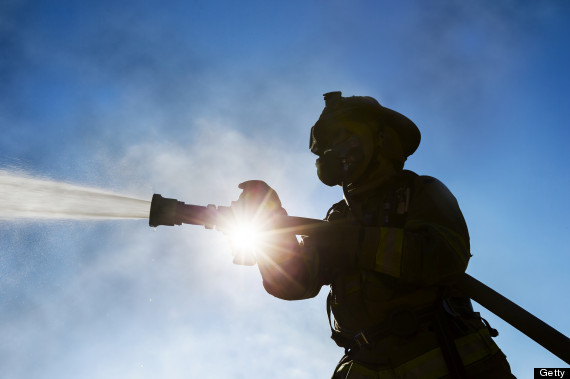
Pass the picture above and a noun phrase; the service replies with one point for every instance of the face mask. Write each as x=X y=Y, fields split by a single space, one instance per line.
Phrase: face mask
x=338 y=163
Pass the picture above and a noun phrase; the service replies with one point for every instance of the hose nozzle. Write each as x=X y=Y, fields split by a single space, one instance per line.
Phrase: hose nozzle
x=170 y=212
x=163 y=211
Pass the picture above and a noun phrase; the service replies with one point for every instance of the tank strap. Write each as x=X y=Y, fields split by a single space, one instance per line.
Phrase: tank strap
x=461 y=308
x=447 y=344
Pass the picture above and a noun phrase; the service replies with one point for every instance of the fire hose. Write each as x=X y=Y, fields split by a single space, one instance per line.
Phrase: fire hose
x=170 y=212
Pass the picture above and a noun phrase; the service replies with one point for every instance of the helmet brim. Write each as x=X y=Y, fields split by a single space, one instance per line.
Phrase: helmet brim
x=407 y=131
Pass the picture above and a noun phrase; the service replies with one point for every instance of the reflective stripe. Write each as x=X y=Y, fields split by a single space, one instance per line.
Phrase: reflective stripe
x=431 y=365
x=389 y=253
x=471 y=348
x=475 y=346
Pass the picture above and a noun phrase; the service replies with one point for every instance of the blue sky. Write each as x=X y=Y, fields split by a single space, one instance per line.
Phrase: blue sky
x=188 y=99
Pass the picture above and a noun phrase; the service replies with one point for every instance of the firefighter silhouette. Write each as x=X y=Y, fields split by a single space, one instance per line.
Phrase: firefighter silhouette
x=396 y=244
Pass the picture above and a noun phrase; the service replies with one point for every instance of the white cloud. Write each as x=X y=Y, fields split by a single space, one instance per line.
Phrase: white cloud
x=169 y=303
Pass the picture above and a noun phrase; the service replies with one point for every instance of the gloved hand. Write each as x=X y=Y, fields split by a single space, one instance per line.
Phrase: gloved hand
x=258 y=202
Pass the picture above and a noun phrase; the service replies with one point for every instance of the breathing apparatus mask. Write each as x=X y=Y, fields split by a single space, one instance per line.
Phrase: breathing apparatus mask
x=340 y=162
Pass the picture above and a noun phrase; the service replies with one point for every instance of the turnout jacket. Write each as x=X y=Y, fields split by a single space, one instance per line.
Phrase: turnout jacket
x=393 y=283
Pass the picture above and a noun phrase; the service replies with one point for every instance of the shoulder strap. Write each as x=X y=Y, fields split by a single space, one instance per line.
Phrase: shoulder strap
x=394 y=210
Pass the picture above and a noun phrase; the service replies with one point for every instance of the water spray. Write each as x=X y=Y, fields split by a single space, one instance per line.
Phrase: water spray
x=26 y=198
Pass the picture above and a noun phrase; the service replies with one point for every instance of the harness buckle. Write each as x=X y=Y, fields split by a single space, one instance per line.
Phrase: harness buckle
x=361 y=340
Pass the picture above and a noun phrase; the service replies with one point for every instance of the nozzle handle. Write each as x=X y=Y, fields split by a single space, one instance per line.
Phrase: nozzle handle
x=170 y=212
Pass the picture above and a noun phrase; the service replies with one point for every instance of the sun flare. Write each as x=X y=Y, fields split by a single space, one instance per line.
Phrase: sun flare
x=245 y=236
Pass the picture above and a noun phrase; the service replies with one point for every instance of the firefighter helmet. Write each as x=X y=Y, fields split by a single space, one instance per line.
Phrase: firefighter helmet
x=351 y=130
